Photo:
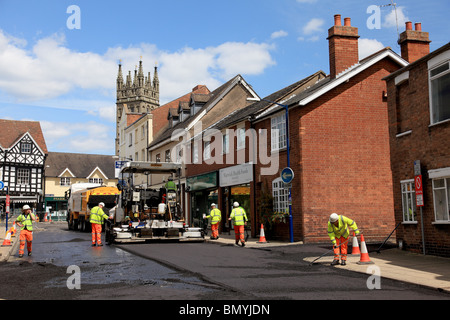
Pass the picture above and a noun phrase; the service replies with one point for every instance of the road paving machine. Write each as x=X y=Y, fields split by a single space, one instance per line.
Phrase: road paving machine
x=143 y=213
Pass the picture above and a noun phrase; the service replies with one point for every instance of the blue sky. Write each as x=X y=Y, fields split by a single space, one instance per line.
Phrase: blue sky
x=65 y=78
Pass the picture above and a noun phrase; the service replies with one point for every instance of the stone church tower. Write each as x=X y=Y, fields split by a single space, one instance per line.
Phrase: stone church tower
x=137 y=95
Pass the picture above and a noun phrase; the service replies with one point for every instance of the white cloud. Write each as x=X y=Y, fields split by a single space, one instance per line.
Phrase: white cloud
x=49 y=69
x=313 y=25
x=366 y=47
x=278 y=34
x=392 y=18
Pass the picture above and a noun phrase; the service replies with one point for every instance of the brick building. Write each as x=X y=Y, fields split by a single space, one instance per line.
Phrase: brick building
x=419 y=128
x=339 y=143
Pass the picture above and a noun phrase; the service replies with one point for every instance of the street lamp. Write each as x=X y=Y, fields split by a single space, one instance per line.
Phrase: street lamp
x=288 y=149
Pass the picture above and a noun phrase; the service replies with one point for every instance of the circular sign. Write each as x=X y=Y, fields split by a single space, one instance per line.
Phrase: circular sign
x=2 y=185
x=287 y=174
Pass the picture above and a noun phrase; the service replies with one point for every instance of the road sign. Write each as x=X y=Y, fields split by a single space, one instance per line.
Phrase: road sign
x=287 y=175
x=2 y=185
x=419 y=190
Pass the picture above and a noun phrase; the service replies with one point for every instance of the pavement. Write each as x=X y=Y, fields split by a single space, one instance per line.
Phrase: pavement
x=423 y=270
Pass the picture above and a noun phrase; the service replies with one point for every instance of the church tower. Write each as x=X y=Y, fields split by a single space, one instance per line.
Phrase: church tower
x=136 y=95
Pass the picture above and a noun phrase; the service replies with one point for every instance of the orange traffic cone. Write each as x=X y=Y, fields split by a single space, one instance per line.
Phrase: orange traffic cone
x=355 y=245
x=262 y=236
x=7 y=241
x=45 y=218
x=364 y=259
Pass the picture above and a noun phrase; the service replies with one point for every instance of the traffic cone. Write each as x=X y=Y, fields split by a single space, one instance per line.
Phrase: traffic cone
x=355 y=245
x=7 y=241
x=262 y=236
x=45 y=218
x=13 y=229
x=364 y=259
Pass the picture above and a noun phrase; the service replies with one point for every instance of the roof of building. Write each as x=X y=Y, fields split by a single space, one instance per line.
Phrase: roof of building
x=13 y=130
x=79 y=164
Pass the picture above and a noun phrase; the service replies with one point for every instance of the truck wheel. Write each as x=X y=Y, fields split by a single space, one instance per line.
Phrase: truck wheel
x=75 y=224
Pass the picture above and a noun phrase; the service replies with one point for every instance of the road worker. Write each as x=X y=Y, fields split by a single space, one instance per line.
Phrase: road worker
x=239 y=218
x=97 y=218
x=216 y=216
x=339 y=233
x=25 y=222
x=170 y=185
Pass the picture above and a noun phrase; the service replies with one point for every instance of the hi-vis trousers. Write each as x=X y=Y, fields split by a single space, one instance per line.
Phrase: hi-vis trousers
x=96 y=233
x=25 y=236
x=342 y=250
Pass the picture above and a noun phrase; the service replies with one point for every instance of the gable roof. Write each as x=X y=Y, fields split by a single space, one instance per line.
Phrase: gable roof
x=79 y=164
x=13 y=130
x=214 y=97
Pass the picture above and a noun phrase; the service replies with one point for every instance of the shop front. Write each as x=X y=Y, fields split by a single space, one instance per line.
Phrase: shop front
x=235 y=186
x=203 y=190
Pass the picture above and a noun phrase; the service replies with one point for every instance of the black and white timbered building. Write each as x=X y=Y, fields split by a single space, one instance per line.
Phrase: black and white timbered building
x=22 y=163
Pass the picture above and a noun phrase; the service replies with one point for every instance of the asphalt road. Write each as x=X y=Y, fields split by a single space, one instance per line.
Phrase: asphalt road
x=195 y=272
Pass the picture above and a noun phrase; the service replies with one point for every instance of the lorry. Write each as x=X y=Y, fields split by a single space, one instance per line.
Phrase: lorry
x=143 y=213
x=81 y=197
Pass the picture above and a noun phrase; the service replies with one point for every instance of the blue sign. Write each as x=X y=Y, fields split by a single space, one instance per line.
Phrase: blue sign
x=287 y=175
x=2 y=185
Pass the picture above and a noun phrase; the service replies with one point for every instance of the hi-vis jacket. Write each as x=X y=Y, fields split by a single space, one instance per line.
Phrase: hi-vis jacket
x=97 y=215
x=26 y=221
x=342 y=229
x=215 y=215
x=239 y=216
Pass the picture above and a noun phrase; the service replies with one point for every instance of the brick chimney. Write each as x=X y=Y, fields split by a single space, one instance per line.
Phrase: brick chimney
x=343 y=46
x=414 y=44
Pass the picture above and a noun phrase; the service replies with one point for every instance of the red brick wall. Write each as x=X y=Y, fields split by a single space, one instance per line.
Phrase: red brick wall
x=341 y=158
x=427 y=144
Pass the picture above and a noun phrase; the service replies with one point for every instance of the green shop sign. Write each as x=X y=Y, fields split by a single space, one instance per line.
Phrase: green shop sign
x=204 y=181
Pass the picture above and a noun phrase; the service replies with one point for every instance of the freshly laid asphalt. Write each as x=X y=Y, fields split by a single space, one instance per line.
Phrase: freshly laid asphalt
x=424 y=270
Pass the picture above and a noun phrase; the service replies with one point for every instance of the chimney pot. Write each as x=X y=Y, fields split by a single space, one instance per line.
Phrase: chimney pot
x=347 y=22
x=337 y=20
x=408 y=25
x=418 y=26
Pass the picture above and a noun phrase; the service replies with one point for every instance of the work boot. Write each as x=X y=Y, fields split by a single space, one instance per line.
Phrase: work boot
x=236 y=244
x=100 y=245
x=335 y=262
x=20 y=255
x=343 y=263
x=243 y=244
x=29 y=254
x=93 y=245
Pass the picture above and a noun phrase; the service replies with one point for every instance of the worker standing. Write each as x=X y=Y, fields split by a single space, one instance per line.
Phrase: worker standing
x=338 y=232
x=170 y=185
x=216 y=216
x=97 y=218
x=239 y=217
x=25 y=222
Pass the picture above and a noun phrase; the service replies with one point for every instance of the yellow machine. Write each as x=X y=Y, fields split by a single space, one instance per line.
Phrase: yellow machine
x=83 y=197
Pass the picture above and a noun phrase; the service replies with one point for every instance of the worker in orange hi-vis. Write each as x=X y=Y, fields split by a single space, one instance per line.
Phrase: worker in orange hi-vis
x=338 y=232
x=25 y=222
x=97 y=218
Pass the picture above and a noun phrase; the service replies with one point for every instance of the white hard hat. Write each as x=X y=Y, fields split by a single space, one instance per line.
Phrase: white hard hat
x=213 y=204
x=101 y=204
x=26 y=207
x=236 y=204
x=334 y=217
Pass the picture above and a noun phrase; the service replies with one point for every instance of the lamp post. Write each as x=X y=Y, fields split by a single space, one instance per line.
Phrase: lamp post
x=288 y=150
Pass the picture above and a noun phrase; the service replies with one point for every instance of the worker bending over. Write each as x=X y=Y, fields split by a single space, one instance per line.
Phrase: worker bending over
x=338 y=232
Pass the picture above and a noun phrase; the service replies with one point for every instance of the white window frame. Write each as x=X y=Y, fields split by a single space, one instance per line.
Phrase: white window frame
x=25 y=147
x=65 y=181
x=96 y=180
x=278 y=132
x=206 y=150
x=280 y=196
x=446 y=72
x=409 y=208
x=240 y=136
x=225 y=142
x=445 y=199
x=23 y=177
